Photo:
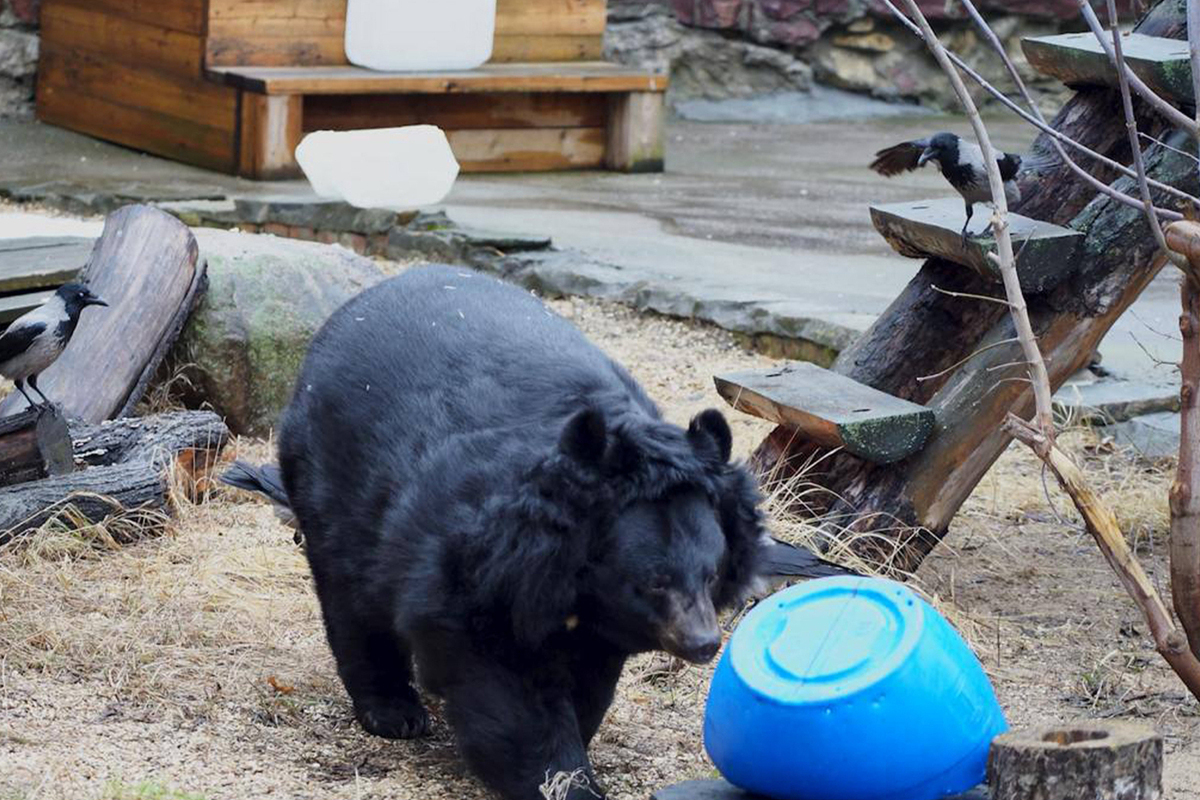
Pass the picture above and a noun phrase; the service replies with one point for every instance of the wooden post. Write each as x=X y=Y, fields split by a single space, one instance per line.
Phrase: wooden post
x=635 y=132
x=271 y=128
x=34 y=444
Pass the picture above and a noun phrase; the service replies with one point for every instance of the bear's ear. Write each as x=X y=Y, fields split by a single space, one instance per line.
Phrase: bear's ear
x=584 y=437
x=709 y=432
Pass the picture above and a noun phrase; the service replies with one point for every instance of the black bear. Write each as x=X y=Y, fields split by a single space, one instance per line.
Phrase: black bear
x=487 y=495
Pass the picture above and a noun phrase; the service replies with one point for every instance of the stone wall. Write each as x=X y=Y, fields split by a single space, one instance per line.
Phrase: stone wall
x=18 y=56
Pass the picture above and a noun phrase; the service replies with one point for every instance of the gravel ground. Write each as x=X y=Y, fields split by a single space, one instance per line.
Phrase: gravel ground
x=193 y=664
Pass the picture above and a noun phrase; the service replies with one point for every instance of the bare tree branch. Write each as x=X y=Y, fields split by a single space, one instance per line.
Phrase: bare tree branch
x=1039 y=121
x=1172 y=114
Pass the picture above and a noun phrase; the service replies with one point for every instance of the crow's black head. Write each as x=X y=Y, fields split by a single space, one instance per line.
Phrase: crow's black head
x=942 y=148
x=76 y=297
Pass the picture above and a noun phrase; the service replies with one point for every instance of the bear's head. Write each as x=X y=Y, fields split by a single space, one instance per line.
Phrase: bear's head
x=666 y=532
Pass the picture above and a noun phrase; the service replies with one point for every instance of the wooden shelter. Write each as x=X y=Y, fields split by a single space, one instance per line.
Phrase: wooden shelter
x=232 y=85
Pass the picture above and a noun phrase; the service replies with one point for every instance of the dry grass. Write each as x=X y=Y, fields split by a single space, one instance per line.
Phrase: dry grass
x=194 y=664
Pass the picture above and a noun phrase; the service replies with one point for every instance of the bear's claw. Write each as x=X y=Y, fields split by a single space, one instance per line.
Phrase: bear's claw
x=400 y=720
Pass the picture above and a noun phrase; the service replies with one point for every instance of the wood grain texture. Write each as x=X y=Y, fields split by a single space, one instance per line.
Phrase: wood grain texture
x=70 y=28
x=276 y=32
x=145 y=266
x=593 y=76
x=193 y=100
x=1077 y=59
x=271 y=128
x=528 y=150
x=831 y=410
x=528 y=47
x=551 y=17
x=59 y=103
x=454 y=111
x=636 y=121
x=41 y=261
x=1046 y=253
x=34 y=444
x=187 y=16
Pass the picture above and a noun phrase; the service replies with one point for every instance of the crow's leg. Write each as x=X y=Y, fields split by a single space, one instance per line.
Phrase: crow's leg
x=970 y=211
x=32 y=381
x=21 y=389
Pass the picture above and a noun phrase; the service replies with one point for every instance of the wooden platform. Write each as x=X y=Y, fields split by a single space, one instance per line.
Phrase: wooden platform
x=1045 y=253
x=232 y=85
x=1077 y=59
x=32 y=268
x=831 y=410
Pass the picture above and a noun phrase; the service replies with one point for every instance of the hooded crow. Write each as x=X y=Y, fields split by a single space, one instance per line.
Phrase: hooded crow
x=961 y=163
x=36 y=339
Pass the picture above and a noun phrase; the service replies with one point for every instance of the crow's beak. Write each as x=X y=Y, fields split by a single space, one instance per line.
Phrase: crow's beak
x=926 y=154
x=94 y=300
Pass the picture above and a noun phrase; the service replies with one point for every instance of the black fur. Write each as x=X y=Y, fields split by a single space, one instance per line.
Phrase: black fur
x=483 y=492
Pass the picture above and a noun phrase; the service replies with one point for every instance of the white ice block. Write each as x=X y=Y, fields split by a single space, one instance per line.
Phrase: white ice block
x=397 y=168
x=415 y=35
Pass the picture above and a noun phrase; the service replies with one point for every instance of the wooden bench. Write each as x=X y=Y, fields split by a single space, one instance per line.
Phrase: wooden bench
x=232 y=85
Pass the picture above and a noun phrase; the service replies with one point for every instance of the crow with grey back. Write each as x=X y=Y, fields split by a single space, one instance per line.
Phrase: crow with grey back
x=961 y=164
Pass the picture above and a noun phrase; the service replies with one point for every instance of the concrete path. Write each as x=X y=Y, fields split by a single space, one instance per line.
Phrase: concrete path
x=765 y=223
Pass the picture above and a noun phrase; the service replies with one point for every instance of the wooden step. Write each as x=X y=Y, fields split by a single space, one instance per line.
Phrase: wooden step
x=933 y=229
x=831 y=410
x=1077 y=59
x=41 y=261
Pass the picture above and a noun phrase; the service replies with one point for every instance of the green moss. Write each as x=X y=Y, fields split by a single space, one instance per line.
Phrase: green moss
x=145 y=790
x=887 y=439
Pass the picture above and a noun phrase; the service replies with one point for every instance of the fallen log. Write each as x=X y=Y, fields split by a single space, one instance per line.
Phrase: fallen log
x=34 y=444
x=129 y=464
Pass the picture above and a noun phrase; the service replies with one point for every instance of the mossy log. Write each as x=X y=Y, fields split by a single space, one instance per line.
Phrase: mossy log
x=926 y=346
x=1077 y=59
x=127 y=464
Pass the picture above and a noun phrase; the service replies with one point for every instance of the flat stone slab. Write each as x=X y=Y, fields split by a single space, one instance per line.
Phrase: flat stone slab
x=15 y=305
x=831 y=410
x=933 y=229
x=1108 y=401
x=1153 y=436
x=720 y=789
x=41 y=261
x=1077 y=59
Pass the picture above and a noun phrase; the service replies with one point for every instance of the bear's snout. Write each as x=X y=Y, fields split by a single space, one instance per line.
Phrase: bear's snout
x=691 y=632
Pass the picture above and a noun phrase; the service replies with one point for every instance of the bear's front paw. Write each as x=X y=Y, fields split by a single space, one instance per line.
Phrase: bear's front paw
x=394 y=719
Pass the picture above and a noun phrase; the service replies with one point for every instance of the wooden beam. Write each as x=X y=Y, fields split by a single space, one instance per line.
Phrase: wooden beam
x=455 y=111
x=831 y=410
x=527 y=47
x=1046 y=253
x=635 y=132
x=586 y=76
x=145 y=265
x=1077 y=59
x=272 y=126
x=119 y=39
x=527 y=149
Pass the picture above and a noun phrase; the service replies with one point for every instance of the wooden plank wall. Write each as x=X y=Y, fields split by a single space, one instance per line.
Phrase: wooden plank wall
x=500 y=132
x=274 y=33
x=131 y=71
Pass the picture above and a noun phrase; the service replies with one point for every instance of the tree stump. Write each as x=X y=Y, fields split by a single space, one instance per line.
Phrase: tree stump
x=34 y=444
x=1097 y=760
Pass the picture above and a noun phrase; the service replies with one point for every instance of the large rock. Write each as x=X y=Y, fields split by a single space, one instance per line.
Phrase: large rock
x=266 y=298
x=701 y=63
x=18 y=64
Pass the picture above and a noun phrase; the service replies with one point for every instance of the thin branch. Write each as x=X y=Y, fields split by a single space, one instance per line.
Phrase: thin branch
x=966 y=358
x=949 y=293
x=1172 y=114
x=1039 y=122
x=1135 y=145
x=1043 y=409
x=1166 y=146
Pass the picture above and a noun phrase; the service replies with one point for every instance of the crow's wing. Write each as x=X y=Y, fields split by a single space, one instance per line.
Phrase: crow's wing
x=18 y=338
x=898 y=158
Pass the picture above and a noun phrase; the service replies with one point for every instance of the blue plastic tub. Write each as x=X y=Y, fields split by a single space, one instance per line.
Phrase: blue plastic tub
x=850 y=689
